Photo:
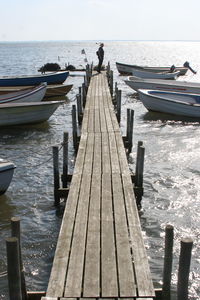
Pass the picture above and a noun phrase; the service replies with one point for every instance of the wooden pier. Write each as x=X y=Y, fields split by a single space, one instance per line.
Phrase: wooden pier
x=100 y=251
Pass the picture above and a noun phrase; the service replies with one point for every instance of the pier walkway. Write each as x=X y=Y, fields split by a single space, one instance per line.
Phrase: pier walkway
x=100 y=251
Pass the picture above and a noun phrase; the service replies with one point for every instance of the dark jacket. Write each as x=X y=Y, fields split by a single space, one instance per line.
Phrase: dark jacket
x=100 y=53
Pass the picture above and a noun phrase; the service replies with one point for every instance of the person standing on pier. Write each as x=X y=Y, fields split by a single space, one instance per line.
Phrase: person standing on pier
x=100 y=54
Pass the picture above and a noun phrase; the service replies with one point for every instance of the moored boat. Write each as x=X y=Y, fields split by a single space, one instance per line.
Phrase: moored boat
x=27 y=113
x=166 y=85
x=181 y=104
x=159 y=75
x=50 y=78
x=126 y=69
x=52 y=90
x=33 y=94
x=6 y=174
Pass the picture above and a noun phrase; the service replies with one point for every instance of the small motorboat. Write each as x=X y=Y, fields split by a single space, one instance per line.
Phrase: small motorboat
x=181 y=104
x=50 y=78
x=6 y=174
x=126 y=69
x=52 y=90
x=137 y=83
x=27 y=113
x=34 y=94
x=154 y=75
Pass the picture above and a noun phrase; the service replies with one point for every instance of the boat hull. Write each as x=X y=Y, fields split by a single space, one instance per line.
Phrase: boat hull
x=27 y=113
x=126 y=69
x=52 y=78
x=34 y=94
x=6 y=175
x=166 y=85
x=171 y=103
x=52 y=90
x=153 y=75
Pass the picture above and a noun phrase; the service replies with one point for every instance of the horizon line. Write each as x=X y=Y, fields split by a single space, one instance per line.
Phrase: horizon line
x=156 y=40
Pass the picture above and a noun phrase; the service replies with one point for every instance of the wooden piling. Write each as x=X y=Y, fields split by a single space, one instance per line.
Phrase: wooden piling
x=56 y=175
x=83 y=94
x=74 y=128
x=65 y=159
x=15 y=232
x=138 y=189
x=184 y=268
x=130 y=130
x=119 y=97
x=111 y=82
x=79 y=109
x=13 y=268
x=168 y=258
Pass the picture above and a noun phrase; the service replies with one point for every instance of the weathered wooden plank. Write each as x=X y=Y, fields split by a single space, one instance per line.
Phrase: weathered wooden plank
x=58 y=272
x=106 y=163
x=108 y=120
x=91 y=120
x=141 y=265
x=81 y=154
x=74 y=277
x=49 y=298
x=88 y=162
x=113 y=153
x=127 y=286
x=122 y=154
x=91 y=284
x=97 y=160
x=97 y=126
x=109 y=281
x=103 y=123
x=85 y=121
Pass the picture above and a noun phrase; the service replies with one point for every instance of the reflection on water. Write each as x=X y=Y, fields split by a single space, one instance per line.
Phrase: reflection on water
x=7 y=210
x=170 y=119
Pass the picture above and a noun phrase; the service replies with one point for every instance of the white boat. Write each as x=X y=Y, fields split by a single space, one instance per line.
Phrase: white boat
x=160 y=75
x=181 y=104
x=52 y=90
x=33 y=94
x=27 y=113
x=6 y=174
x=166 y=85
x=126 y=69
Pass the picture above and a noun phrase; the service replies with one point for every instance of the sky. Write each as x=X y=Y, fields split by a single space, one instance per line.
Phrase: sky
x=43 y=20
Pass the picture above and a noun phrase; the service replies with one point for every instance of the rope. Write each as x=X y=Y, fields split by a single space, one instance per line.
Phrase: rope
x=3 y=274
x=73 y=99
x=44 y=162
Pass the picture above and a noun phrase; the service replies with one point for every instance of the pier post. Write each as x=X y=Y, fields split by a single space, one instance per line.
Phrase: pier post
x=15 y=232
x=184 y=268
x=168 y=258
x=119 y=97
x=56 y=175
x=114 y=97
x=74 y=126
x=84 y=94
x=139 y=173
x=13 y=268
x=86 y=83
x=79 y=109
x=129 y=137
x=65 y=159
x=111 y=82
x=108 y=69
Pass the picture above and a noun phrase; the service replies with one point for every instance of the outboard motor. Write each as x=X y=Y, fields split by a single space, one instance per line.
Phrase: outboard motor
x=172 y=69
x=187 y=65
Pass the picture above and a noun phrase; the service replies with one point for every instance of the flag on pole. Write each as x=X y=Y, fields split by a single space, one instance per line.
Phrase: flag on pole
x=83 y=51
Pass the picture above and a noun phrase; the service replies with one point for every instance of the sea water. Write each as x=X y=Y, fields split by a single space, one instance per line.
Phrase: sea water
x=171 y=169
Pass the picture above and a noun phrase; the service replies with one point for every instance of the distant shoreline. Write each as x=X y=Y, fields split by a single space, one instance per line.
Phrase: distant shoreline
x=96 y=41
